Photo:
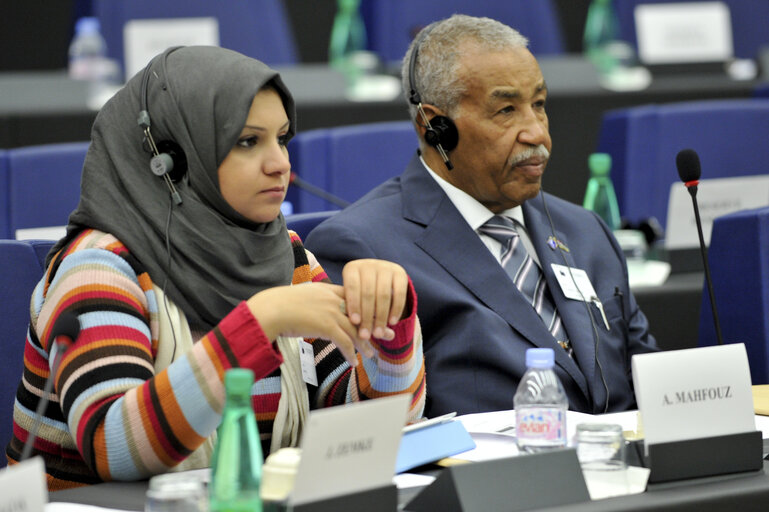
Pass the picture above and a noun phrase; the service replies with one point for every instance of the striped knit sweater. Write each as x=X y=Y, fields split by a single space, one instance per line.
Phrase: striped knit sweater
x=112 y=418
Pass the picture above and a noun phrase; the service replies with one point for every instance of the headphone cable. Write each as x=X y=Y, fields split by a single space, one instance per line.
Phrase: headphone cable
x=584 y=301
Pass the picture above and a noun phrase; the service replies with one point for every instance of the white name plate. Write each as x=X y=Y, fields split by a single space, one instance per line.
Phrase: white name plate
x=715 y=197
x=354 y=447
x=143 y=39
x=23 y=486
x=694 y=393
x=46 y=233
x=683 y=32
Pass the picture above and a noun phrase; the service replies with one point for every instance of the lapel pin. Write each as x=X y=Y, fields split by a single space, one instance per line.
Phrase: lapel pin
x=553 y=242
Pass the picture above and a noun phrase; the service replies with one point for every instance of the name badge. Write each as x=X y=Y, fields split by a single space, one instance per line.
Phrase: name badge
x=307 y=358
x=574 y=283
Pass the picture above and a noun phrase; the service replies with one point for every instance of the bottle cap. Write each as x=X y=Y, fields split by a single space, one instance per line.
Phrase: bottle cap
x=599 y=163
x=540 y=357
x=87 y=24
x=238 y=380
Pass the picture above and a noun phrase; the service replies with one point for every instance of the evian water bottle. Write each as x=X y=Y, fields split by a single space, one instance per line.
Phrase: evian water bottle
x=540 y=404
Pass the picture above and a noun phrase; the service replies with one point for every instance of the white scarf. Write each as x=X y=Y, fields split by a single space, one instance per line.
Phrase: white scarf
x=293 y=407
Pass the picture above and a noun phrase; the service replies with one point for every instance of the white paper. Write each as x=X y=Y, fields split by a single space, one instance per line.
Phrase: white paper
x=78 y=507
x=715 y=197
x=354 y=447
x=605 y=484
x=145 y=38
x=694 y=393
x=683 y=32
x=409 y=480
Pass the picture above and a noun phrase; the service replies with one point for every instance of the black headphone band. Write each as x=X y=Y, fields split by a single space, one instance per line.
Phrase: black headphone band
x=414 y=96
x=168 y=159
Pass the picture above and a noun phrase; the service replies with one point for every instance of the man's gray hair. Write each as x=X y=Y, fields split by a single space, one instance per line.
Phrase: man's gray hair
x=437 y=61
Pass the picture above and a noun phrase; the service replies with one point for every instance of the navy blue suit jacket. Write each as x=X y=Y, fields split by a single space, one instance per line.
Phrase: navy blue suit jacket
x=476 y=325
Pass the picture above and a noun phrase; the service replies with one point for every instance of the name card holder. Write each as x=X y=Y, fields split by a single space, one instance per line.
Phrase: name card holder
x=697 y=458
x=512 y=484
x=697 y=410
x=381 y=499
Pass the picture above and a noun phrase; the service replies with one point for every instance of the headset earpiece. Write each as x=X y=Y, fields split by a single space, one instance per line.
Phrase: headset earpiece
x=168 y=159
x=442 y=131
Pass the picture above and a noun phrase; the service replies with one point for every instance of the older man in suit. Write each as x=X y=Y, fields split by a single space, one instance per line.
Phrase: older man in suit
x=499 y=265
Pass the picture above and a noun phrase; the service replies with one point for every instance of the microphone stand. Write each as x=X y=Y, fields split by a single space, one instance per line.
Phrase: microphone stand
x=693 y=192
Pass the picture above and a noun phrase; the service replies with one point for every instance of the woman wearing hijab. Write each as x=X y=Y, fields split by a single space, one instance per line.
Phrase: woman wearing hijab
x=174 y=283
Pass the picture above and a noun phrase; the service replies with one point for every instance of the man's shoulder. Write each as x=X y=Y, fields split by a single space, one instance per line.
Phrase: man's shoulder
x=384 y=201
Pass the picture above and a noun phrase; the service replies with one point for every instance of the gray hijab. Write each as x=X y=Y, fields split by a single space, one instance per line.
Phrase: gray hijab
x=213 y=257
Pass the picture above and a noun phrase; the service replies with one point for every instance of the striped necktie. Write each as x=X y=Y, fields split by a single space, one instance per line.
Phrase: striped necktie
x=526 y=275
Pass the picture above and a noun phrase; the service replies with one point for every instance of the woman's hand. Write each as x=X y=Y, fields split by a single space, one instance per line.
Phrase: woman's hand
x=309 y=310
x=375 y=293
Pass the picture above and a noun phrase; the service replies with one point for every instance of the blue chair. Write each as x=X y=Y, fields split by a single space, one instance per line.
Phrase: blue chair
x=729 y=136
x=761 y=91
x=392 y=24
x=739 y=262
x=360 y=157
x=348 y=161
x=308 y=152
x=750 y=23
x=258 y=28
x=21 y=267
x=303 y=223
x=4 y=199
x=44 y=184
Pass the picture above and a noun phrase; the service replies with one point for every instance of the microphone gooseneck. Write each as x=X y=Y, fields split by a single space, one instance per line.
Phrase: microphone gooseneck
x=688 y=164
x=65 y=333
x=317 y=191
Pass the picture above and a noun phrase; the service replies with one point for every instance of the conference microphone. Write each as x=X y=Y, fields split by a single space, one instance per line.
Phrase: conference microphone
x=294 y=179
x=688 y=164
x=65 y=333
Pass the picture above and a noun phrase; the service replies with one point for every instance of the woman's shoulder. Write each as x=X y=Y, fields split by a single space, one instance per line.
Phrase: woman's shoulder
x=95 y=239
x=90 y=249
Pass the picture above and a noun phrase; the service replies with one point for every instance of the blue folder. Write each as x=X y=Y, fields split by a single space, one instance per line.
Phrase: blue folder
x=432 y=443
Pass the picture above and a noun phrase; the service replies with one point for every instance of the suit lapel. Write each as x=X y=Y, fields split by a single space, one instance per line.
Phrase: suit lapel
x=450 y=241
x=573 y=313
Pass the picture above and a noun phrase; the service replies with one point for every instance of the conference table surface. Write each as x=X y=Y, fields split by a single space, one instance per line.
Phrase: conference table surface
x=743 y=492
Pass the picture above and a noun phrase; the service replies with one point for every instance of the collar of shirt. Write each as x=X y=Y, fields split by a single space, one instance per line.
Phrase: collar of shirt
x=476 y=215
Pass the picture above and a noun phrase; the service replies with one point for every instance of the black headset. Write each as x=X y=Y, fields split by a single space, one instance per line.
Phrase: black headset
x=440 y=132
x=168 y=159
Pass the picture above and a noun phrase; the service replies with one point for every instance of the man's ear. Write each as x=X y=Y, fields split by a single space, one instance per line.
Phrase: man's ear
x=430 y=111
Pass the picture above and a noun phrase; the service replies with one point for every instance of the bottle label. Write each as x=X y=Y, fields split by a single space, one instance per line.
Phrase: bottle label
x=540 y=425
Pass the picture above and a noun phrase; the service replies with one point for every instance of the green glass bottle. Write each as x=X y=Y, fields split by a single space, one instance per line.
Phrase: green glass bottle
x=600 y=196
x=600 y=35
x=348 y=36
x=236 y=466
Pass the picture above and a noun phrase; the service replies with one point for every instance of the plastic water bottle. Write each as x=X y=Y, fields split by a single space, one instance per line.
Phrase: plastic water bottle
x=348 y=38
x=87 y=51
x=601 y=41
x=599 y=195
x=236 y=465
x=540 y=404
